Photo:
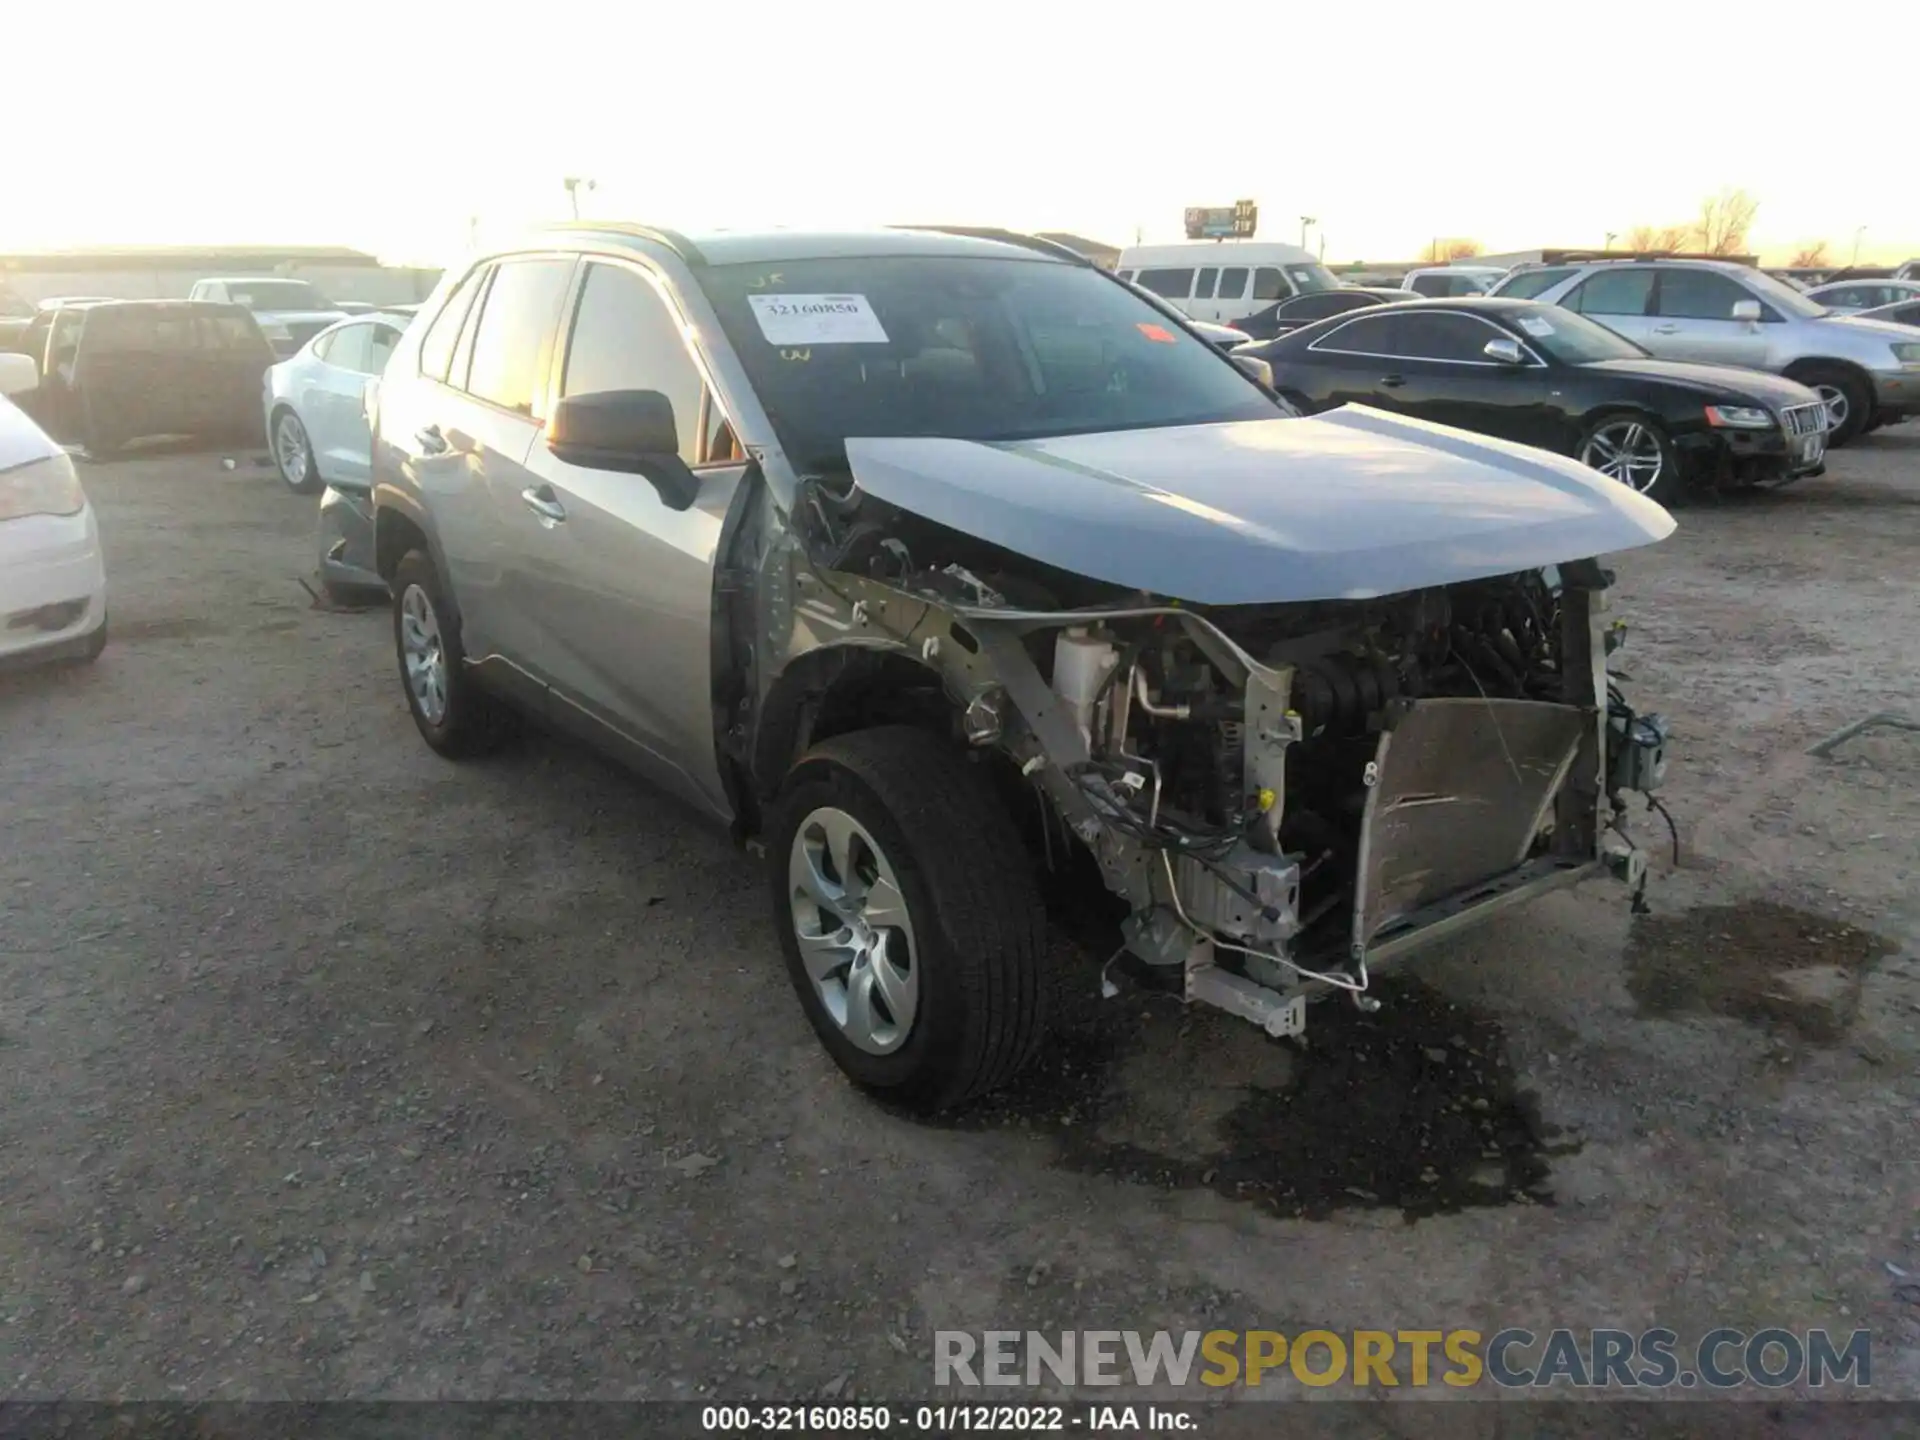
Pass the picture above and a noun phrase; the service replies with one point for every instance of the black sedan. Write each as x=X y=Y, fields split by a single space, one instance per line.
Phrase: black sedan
x=1290 y=314
x=1544 y=376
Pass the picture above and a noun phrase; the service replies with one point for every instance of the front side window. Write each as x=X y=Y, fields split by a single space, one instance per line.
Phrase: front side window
x=513 y=344
x=1430 y=285
x=1310 y=277
x=963 y=347
x=381 y=344
x=1613 y=292
x=1173 y=284
x=229 y=332
x=1697 y=295
x=345 y=347
x=625 y=338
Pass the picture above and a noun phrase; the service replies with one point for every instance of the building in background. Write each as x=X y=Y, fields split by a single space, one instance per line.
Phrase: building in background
x=167 y=272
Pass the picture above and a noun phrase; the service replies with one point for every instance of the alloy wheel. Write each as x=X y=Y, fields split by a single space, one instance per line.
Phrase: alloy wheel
x=423 y=654
x=290 y=449
x=856 y=938
x=1838 y=406
x=1628 y=451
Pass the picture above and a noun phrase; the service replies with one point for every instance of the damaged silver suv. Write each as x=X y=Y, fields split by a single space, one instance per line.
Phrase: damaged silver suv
x=940 y=565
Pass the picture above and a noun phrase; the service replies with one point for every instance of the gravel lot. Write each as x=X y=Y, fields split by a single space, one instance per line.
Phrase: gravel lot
x=332 y=1069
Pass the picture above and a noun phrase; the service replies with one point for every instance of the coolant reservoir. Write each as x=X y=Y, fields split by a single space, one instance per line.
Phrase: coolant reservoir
x=1081 y=663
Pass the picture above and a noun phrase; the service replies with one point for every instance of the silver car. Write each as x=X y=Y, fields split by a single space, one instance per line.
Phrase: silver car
x=1868 y=372
x=937 y=564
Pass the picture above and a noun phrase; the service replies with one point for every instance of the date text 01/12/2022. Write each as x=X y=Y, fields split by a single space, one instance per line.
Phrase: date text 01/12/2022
x=946 y=1419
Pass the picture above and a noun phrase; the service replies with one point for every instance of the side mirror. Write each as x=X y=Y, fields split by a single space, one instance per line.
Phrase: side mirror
x=1504 y=351
x=18 y=373
x=1747 y=310
x=628 y=431
x=1255 y=367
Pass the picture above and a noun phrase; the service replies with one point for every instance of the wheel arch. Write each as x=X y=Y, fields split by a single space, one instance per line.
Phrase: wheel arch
x=838 y=689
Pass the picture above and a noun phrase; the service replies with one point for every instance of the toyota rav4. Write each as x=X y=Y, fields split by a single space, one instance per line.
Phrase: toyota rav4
x=943 y=567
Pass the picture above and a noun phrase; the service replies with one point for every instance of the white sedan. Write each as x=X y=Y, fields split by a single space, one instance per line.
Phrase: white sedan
x=53 y=584
x=316 y=403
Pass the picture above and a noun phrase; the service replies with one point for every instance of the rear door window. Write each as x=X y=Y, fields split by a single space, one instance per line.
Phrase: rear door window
x=229 y=332
x=1613 y=292
x=436 y=346
x=1270 y=284
x=1233 y=283
x=1204 y=282
x=513 y=344
x=382 y=340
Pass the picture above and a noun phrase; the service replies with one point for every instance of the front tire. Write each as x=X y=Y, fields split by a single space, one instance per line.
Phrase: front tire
x=1849 y=402
x=908 y=914
x=293 y=454
x=1634 y=450
x=453 y=713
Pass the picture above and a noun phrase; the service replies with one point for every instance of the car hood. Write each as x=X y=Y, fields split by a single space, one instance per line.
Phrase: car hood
x=1775 y=390
x=1890 y=330
x=21 y=441
x=1348 y=505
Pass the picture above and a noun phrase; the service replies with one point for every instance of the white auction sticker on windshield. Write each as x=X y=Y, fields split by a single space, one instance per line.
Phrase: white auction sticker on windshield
x=817 y=320
x=1535 y=326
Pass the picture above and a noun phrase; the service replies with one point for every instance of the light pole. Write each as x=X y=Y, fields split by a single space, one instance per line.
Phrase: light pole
x=1305 y=221
x=1856 y=245
x=575 y=184
x=1610 y=235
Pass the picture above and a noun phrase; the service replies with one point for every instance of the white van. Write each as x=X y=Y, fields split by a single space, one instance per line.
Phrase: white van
x=1224 y=280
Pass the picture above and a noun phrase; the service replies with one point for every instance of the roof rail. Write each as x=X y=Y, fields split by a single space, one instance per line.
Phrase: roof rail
x=1625 y=257
x=672 y=239
x=1008 y=237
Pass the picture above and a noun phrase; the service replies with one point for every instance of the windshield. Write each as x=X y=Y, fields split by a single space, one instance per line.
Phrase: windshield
x=1782 y=296
x=1573 y=339
x=1525 y=284
x=1309 y=278
x=972 y=349
x=276 y=295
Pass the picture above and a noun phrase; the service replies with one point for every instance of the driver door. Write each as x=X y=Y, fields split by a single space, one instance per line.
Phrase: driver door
x=615 y=588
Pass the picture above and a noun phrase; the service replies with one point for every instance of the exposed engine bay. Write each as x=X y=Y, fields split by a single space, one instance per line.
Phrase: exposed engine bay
x=1282 y=794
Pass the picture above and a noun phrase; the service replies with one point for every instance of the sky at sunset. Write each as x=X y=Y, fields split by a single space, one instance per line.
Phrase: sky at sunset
x=405 y=128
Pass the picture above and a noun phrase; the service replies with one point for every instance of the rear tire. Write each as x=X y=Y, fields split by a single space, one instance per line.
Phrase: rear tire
x=453 y=713
x=1849 y=401
x=957 y=926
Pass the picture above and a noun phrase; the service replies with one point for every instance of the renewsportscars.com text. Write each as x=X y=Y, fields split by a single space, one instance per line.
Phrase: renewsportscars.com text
x=1599 y=1358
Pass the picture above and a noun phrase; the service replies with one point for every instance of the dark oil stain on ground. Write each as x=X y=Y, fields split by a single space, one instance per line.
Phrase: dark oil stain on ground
x=1412 y=1107
x=1759 y=961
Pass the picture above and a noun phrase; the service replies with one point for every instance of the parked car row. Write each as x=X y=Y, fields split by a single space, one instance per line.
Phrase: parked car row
x=1529 y=372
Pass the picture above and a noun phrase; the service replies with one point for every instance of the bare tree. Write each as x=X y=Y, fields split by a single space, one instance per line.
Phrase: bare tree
x=1724 y=221
x=1811 y=257
x=1657 y=237
x=1439 y=252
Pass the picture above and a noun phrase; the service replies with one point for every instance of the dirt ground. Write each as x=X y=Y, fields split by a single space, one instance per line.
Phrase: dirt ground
x=331 y=1069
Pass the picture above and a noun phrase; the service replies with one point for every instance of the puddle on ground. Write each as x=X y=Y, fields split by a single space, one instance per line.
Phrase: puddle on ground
x=1759 y=961
x=1413 y=1107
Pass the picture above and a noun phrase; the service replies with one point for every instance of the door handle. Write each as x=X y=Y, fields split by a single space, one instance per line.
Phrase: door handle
x=430 y=440
x=1666 y=329
x=1392 y=382
x=539 y=499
